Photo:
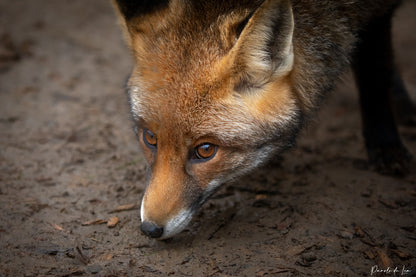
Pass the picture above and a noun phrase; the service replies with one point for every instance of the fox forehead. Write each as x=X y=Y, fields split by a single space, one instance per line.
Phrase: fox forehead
x=196 y=118
x=233 y=120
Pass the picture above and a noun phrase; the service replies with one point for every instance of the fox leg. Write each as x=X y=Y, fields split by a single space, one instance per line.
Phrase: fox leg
x=405 y=110
x=374 y=72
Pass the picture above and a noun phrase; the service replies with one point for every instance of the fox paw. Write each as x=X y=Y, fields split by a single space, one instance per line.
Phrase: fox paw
x=393 y=161
x=408 y=120
x=405 y=112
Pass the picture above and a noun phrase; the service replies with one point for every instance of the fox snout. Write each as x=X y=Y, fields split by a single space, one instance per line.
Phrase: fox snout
x=176 y=186
x=172 y=225
x=166 y=207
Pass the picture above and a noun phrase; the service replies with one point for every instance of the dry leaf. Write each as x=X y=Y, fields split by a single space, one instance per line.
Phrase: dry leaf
x=358 y=232
x=108 y=257
x=401 y=254
x=261 y=196
x=112 y=222
x=94 y=222
x=57 y=227
x=124 y=208
x=370 y=254
x=385 y=260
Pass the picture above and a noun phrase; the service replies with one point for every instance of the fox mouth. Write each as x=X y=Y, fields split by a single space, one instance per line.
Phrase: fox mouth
x=178 y=223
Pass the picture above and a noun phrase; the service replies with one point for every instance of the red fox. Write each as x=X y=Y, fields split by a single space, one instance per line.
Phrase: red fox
x=220 y=87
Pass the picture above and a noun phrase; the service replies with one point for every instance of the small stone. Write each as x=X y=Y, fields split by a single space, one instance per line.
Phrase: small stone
x=346 y=234
x=94 y=269
x=309 y=257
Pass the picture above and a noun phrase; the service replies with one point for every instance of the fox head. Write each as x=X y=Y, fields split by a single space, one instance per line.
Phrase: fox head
x=211 y=97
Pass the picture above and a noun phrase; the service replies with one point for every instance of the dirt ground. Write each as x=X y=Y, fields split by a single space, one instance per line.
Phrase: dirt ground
x=69 y=162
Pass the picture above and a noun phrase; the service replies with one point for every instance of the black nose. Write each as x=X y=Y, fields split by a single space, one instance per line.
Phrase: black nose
x=151 y=230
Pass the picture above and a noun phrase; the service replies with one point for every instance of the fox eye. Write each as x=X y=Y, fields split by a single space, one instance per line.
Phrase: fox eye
x=149 y=138
x=205 y=151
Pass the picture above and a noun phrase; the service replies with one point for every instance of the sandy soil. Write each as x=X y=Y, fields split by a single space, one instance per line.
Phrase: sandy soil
x=69 y=162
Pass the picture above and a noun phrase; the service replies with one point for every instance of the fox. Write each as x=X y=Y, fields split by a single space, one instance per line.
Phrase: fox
x=218 y=88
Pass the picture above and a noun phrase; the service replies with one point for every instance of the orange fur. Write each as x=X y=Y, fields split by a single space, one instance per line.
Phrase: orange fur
x=185 y=92
x=240 y=75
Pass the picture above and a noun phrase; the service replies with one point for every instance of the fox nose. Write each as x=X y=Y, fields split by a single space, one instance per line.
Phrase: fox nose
x=151 y=230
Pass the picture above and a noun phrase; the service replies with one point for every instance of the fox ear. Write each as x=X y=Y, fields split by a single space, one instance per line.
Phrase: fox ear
x=133 y=8
x=130 y=12
x=264 y=49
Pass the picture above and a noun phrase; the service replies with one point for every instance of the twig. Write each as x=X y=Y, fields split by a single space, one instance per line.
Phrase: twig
x=222 y=225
